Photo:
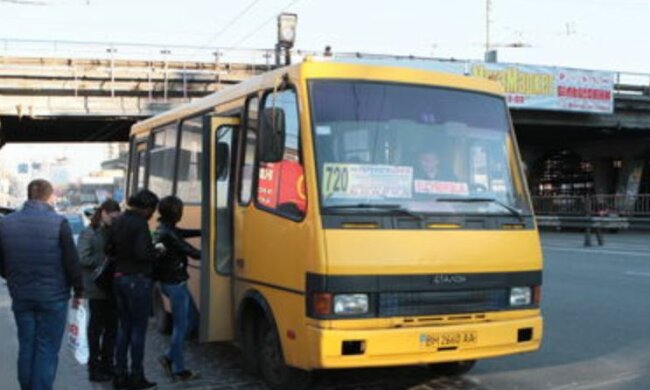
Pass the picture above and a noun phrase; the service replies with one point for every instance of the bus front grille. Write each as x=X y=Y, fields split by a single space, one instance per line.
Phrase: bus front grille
x=441 y=302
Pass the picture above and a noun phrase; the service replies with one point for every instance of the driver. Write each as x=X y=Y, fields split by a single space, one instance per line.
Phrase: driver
x=428 y=168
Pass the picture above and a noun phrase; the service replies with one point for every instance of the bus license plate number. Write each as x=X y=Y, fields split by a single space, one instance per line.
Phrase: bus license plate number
x=451 y=339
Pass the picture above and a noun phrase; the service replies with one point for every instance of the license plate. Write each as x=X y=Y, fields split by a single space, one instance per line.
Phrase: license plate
x=448 y=340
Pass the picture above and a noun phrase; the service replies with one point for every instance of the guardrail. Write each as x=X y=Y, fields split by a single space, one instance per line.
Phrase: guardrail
x=627 y=83
x=593 y=205
x=590 y=225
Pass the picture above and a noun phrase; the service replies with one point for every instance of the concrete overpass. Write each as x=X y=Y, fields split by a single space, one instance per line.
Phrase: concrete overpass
x=66 y=99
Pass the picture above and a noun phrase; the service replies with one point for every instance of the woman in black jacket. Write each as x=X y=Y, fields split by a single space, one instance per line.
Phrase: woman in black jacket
x=102 y=327
x=171 y=271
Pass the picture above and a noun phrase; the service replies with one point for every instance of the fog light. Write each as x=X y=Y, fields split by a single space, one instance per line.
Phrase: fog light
x=356 y=347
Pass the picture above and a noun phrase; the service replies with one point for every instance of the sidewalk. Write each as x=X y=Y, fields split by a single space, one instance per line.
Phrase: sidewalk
x=218 y=365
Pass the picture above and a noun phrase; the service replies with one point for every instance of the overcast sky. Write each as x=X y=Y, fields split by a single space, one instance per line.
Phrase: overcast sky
x=592 y=34
x=83 y=159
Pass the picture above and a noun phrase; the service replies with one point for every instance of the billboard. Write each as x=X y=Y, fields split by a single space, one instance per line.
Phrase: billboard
x=529 y=87
x=550 y=88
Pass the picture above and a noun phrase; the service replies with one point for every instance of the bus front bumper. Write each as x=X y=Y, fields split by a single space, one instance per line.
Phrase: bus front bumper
x=334 y=348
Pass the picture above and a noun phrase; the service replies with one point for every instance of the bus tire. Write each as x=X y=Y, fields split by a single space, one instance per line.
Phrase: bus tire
x=249 y=344
x=163 y=319
x=453 y=368
x=275 y=372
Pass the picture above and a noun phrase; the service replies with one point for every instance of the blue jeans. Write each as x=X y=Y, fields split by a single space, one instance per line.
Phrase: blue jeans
x=40 y=331
x=133 y=298
x=185 y=318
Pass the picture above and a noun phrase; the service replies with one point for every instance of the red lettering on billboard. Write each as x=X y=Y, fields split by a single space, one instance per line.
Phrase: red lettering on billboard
x=584 y=93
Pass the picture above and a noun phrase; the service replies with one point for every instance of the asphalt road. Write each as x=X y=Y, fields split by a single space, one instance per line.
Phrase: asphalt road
x=596 y=305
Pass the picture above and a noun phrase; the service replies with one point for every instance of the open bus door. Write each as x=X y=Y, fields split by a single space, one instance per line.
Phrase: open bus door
x=217 y=225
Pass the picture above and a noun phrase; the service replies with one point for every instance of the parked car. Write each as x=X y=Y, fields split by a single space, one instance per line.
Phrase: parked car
x=76 y=224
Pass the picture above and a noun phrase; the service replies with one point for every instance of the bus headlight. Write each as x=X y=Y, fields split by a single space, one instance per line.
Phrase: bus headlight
x=521 y=296
x=351 y=304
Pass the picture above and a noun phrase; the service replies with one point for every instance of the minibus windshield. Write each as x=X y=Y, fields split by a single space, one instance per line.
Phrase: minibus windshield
x=423 y=149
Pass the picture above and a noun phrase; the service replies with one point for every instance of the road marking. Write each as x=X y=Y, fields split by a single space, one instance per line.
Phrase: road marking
x=635 y=273
x=601 y=383
x=597 y=251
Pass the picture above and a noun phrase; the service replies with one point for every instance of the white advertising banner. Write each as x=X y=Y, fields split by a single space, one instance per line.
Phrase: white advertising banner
x=526 y=86
x=548 y=88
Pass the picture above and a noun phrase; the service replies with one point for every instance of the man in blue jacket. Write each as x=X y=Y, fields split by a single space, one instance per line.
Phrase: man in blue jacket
x=40 y=262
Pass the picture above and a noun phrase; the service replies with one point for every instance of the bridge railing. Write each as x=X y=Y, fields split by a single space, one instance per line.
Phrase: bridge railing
x=625 y=82
x=595 y=205
x=160 y=72
x=134 y=51
x=629 y=83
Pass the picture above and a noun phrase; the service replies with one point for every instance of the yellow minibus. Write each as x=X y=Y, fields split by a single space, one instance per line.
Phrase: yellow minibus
x=353 y=216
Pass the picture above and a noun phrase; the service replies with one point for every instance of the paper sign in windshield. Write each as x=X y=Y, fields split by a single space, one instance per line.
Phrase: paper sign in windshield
x=367 y=181
x=441 y=187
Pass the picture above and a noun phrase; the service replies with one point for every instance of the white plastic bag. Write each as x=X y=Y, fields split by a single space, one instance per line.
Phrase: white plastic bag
x=76 y=333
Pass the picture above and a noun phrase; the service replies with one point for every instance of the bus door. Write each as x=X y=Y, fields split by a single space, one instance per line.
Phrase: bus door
x=217 y=226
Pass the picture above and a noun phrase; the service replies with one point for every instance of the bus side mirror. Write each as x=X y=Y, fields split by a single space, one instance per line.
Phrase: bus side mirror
x=223 y=156
x=271 y=147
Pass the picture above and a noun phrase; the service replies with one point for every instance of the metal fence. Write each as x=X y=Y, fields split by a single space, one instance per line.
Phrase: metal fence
x=625 y=82
x=595 y=205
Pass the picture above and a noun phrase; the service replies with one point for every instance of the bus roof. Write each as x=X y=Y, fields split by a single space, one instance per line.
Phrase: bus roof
x=312 y=69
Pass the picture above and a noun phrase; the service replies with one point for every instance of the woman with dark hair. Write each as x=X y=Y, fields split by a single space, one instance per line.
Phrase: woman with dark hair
x=102 y=327
x=172 y=274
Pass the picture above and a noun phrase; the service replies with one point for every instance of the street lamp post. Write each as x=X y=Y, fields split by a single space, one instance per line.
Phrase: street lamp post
x=286 y=37
x=111 y=50
x=165 y=53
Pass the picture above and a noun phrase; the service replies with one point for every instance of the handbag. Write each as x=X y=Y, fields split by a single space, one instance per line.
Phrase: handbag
x=103 y=275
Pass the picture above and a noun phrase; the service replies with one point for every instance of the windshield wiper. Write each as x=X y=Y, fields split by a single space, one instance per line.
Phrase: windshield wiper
x=395 y=208
x=514 y=211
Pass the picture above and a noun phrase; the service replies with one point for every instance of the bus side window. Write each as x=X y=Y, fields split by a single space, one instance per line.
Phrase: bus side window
x=224 y=209
x=142 y=166
x=132 y=167
x=138 y=166
x=281 y=185
x=188 y=185
x=161 y=160
x=248 y=158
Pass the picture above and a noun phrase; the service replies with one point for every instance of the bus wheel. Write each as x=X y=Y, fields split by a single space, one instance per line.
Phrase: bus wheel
x=249 y=345
x=162 y=318
x=453 y=368
x=277 y=374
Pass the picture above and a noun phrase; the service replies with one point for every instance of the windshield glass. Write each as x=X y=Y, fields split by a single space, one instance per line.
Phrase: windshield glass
x=423 y=149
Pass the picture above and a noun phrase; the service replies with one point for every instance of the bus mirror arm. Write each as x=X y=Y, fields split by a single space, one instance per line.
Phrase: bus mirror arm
x=272 y=135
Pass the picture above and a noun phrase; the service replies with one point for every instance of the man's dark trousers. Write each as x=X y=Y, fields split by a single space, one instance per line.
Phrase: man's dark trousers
x=133 y=295
x=41 y=325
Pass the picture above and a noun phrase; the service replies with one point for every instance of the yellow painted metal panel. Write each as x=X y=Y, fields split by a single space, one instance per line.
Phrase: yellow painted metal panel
x=373 y=252
x=402 y=346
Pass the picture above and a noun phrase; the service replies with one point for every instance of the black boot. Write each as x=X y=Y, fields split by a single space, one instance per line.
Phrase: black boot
x=139 y=382
x=121 y=382
x=97 y=375
x=108 y=369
